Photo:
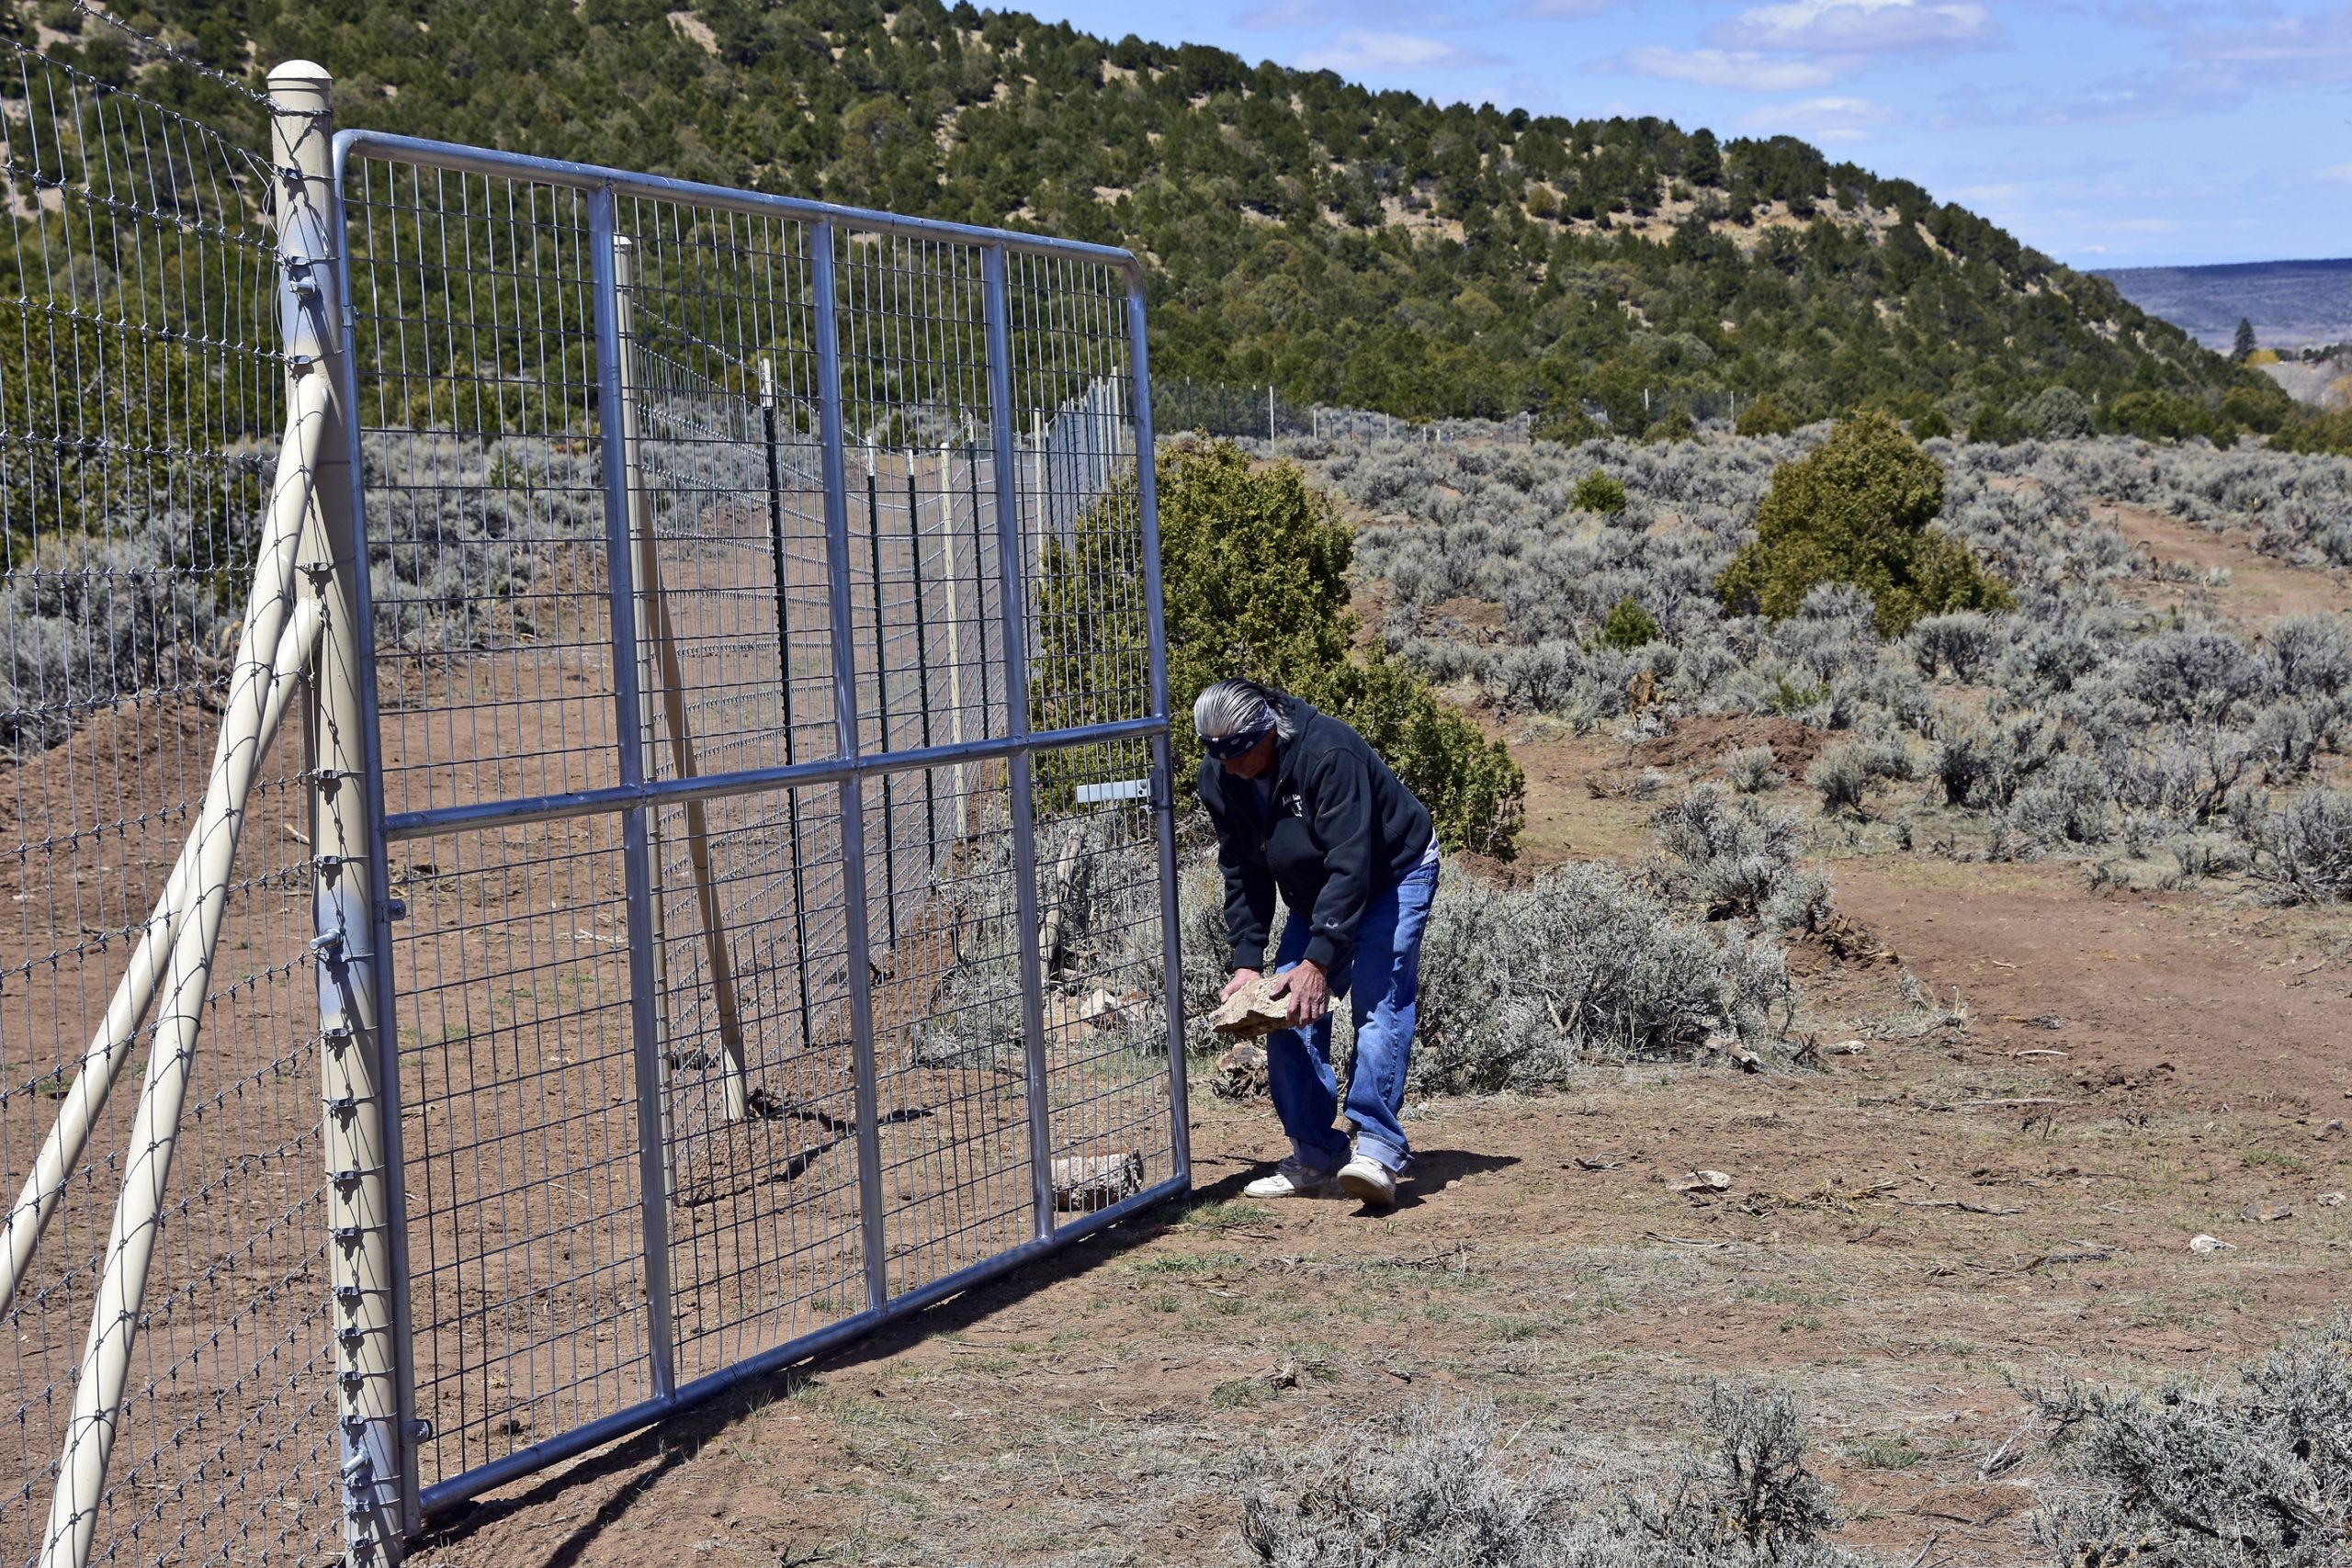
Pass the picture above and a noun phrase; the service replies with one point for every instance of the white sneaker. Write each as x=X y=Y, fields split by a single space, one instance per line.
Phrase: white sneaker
x=1291 y=1179
x=1366 y=1178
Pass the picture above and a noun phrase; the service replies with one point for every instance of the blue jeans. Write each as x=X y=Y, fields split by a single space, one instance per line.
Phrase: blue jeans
x=1381 y=977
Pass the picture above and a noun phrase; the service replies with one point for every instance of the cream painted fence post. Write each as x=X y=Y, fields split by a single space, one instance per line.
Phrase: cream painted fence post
x=360 y=1144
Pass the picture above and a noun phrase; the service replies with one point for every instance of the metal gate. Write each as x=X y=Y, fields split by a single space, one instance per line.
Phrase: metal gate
x=770 y=854
x=701 y=667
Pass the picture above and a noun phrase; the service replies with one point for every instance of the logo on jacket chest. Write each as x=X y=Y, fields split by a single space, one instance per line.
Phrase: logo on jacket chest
x=1291 y=804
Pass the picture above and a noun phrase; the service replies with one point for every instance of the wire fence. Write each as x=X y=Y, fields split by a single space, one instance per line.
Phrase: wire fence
x=696 y=658
x=141 y=405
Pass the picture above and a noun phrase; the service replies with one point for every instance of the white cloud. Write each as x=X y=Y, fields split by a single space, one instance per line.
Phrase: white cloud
x=1740 y=70
x=2314 y=50
x=1355 y=50
x=2139 y=98
x=1825 y=120
x=2334 y=174
x=1277 y=15
x=1859 y=27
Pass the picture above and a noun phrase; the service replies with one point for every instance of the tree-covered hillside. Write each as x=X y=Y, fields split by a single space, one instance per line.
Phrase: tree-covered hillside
x=1358 y=247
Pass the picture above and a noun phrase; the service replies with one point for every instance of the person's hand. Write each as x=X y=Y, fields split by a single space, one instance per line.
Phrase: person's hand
x=1240 y=977
x=1310 y=993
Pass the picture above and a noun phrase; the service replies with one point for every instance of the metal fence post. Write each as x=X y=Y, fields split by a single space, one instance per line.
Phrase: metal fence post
x=1163 y=769
x=955 y=638
x=922 y=661
x=1013 y=604
x=784 y=687
x=624 y=281
x=844 y=650
x=355 y=1081
x=638 y=871
x=882 y=701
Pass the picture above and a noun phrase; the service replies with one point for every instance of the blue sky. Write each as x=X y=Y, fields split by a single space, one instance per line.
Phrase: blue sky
x=2105 y=132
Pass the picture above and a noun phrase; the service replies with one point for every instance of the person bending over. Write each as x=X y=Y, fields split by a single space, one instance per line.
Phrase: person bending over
x=1302 y=805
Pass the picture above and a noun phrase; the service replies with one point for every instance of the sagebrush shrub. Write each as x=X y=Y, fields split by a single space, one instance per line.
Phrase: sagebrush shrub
x=2256 y=1469
x=1960 y=644
x=2068 y=803
x=1752 y=769
x=1840 y=777
x=1436 y=1486
x=95 y=618
x=2304 y=848
x=2312 y=655
x=1517 y=983
x=1747 y=1491
x=1538 y=679
x=2197 y=674
x=1730 y=857
x=2189 y=723
x=1422 y=1487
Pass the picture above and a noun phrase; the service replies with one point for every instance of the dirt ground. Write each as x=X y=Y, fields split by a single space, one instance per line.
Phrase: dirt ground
x=2260 y=589
x=1967 y=1198
x=1961 y=1200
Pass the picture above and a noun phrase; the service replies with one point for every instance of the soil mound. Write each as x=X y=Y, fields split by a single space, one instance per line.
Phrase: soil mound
x=1702 y=739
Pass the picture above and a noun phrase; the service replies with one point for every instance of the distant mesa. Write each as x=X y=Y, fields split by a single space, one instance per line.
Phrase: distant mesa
x=2292 y=304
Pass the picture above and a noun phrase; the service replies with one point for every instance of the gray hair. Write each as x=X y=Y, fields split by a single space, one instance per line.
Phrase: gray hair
x=1238 y=706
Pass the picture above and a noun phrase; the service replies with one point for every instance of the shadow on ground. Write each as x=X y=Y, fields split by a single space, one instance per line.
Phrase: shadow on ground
x=642 y=1459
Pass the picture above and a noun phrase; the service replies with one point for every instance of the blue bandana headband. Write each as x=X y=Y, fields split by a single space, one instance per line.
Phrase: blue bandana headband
x=1224 y=748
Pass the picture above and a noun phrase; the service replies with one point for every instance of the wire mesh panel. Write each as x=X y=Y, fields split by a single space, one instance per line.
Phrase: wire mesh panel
x=474 y=343
x=142 y=404
x=762 y=597
x=1084 y=548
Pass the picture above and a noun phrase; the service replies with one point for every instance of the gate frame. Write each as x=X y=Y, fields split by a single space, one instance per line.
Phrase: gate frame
x=394 y=1443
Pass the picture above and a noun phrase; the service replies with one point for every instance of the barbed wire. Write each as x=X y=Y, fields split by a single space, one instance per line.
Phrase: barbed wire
x=157 y=47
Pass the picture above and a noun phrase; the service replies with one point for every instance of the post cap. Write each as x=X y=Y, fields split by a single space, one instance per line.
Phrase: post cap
x=300 y=78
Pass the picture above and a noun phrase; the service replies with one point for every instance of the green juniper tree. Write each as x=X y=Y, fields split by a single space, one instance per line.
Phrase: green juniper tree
x=1254 y=563
x=1857 y=508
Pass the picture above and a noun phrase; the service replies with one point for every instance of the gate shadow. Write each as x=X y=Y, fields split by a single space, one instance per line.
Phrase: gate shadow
x=646 y=1456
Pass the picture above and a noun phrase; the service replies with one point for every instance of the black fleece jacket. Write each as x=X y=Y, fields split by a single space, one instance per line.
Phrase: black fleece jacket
x=1339 y=828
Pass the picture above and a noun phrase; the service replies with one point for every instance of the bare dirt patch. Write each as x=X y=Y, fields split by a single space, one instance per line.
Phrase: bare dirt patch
x=2198 y=1002
x=2260 y=589
x=1701 y=741
x=1482 y=619
x=1566 y=819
